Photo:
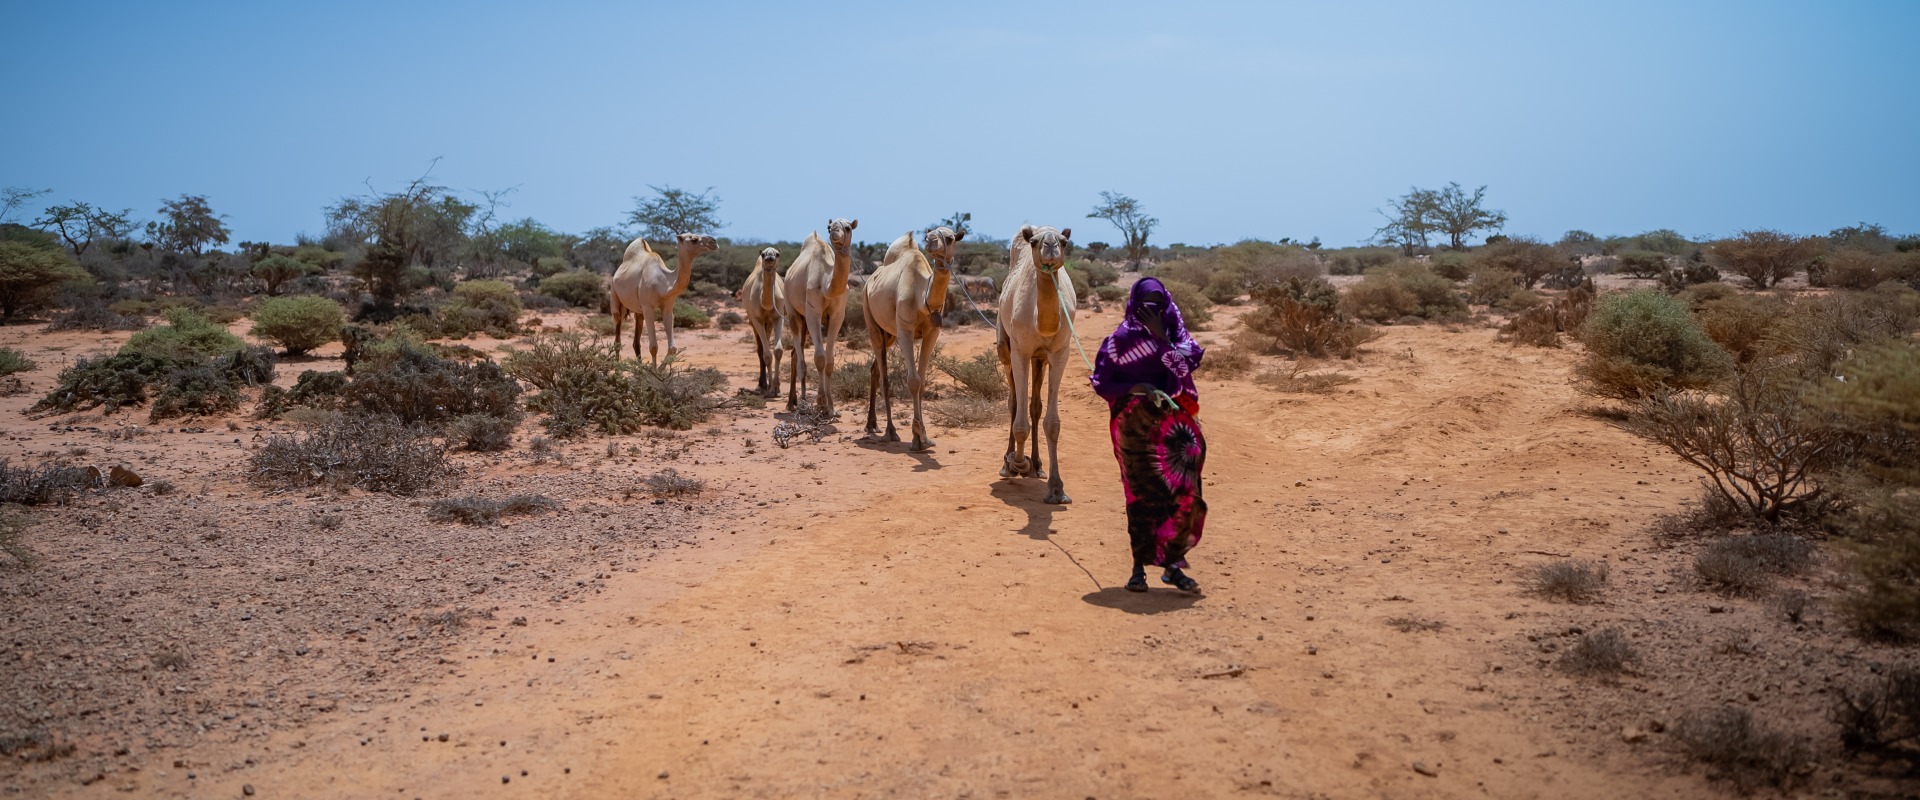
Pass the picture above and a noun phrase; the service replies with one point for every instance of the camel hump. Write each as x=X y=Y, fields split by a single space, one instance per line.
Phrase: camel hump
x=637 y=247
x=901 y=245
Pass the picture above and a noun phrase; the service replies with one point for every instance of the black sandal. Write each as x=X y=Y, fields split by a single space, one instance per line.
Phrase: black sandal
x=1180 y=581
x=1138 y=583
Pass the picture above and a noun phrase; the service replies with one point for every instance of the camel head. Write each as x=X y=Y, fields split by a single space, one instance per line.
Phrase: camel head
x=940 y=244
x=1049 y=246
x=769 y=259
x=840 y=234
x=697 y=243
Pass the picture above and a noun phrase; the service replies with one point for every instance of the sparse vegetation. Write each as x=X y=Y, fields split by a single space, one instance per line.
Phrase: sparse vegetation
x=1601 y=652
x=1568 y=581
x=486 y=511
x=1303 y=319
x=1746 y=565
x=412 y=384
x=1764 y=257
x=1881 y=718
x=1738 y=749
x=377 y=453
x=481 y=433
x=41 y=484
x=1296 y=379
x=1403 y=291
x=670 y=483
x=980 y=375
x=12 y=361
x=583 y=386
x=299 y=324
x=579 y=288
x=1640 y=343
x=966 y=411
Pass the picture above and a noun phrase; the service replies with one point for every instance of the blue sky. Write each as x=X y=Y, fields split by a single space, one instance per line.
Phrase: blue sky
x=1227 y=120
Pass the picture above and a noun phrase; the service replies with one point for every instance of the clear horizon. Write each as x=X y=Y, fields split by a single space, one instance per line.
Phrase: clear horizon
x=1227 y=121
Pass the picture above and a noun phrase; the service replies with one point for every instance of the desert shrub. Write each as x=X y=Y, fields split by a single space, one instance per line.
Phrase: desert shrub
x=670 y=483
x=1099 y=273
x=1453 y=266
x=275 y=271
x=1528 y=259
x=1195 y=307
x=1232 y=361
x=1109 y=294
x=1764 y=257
x=374 y=452
x=481 y=433
x=582 y=386
x=1312 y=291
x=111 y=382
x=12 y=361
x=966 y=411
x=730 y=319
x=598 y=324
x=1859 y=268
x=31 y=276
x=1357 y=261
x=417 y=386
x=486 y=511
x=1407 y=289
x=42 y=484
x=1686 y=274
x=1739 y=750
x=1295 y=379
x=198 y=389
x=1304 y=326
x=299 y=324
x=93 y=315
x=1643 y=264
x=1538 y=326
x=1567 y=277
x=980 y=375
x=188 y=335
x=850 y=379
x=1820 y=332
x=490 y=307
x=542 y=302
x=1569 y=581
x=1601 y=652
x=1639 y=343
x=1882 y=717
x=688 y=315
x=1745 y=565
x=1700 y=294
x=12 y=528
x=1489 y=285
x=1759 y=448
x=312 y=389
x=1741 y=324
x=581 y=288
x=1878 y=403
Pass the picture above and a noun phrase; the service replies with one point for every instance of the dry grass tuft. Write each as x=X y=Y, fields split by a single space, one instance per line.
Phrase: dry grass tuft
x=484 y=511
x=1739 y=750
x=1601 y=652
x=1295 y=379
x=966 y=412
x=670 y=483
x=1569 y=581
x=376 y=453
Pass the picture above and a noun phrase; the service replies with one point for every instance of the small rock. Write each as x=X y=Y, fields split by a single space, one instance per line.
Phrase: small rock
x=121 y=476
x=663 y=775
x=246 y=789
x=1422 y=768
x=1716 y=609
x=1659 y=590
x=1632 y=735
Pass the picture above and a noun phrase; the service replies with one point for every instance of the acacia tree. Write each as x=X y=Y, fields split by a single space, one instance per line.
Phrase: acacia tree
x=1458 y=215
x=671 y=212
x=190 y=225
x=420 y=224
x=1765 y=257
x=1412 y=220
x=1131 y=218
x=961 y=222
x=81 y=224
x=12 y=198
x=30 y=276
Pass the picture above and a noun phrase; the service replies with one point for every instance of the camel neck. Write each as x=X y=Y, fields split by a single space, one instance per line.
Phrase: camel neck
x=842 y=267
x=684 y=275
x=1048 y=298
x=767 y=277
x=937 y=292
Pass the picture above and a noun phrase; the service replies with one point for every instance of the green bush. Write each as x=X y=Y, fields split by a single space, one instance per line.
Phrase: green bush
x=1195 y=307
x=188 y=335
x=416 y=386
x=299 y=324
x=980 y=375
x=1357 y=260
x=1453 y=266
x=1644 y=264
x=549 y=266
x=1099 y=273
x=194 y=390
x=313 y=389
x=1641 y=342
x=490 y=307
x=1406 y=289
x=30 y=276
x=1488 y=286
x=584 y=386
x=1109 y=294
x=1527 y=258
x=111 y=383
x=276 y=270
x=12 y=361
x=580 y=288
x=481 y=433
x=1878 y=403
x=688 y=315
x=1859 y=268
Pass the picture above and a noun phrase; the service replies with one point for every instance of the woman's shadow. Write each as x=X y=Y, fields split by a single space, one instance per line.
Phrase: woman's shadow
x=1021 y=495
x=1149 y=602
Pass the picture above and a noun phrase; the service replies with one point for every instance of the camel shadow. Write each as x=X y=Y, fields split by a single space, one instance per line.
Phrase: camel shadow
x=1020 y=493
x=1149 y=602
x=927 y=462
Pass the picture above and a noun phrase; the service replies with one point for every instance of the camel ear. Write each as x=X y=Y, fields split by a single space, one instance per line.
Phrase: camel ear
x=1066 y=233
x=958 y=235
x=1026 y=234
x=853 y=224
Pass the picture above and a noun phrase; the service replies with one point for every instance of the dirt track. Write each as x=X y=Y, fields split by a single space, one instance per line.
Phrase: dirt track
x=911 y=626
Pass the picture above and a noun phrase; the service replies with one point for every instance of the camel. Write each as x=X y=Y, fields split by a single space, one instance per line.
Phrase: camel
x=904 y=298
x=1033 y=337
x=816 y=287
x=764 y=298
x=644 y=286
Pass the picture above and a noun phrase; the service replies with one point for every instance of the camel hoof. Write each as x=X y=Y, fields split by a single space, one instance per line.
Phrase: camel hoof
x=893 y=436
x=1058 y=498
x=1040 y=473
x=921 y=446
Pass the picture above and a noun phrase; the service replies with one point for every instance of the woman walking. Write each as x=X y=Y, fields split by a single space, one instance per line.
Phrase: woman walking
x=1145 y=373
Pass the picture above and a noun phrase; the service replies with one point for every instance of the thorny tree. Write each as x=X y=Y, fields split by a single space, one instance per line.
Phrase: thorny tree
x=671 y=212
x=1127 y=214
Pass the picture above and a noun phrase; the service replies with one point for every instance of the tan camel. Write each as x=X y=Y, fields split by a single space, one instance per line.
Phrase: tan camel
x=904 y=299
x=817 y=305
x=764 y=297
x=1036 y=331
x=644 y=286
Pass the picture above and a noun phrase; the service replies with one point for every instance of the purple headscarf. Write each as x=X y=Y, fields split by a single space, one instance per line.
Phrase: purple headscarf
x=1133 y=355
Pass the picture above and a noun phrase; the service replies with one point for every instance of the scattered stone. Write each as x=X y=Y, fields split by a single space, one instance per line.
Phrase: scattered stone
x=1422 y=768
x=1632 y=735
x=1716 y=609
x=246 y=789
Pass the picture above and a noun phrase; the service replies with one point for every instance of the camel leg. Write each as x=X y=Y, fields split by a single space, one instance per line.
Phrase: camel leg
x=648 y=318
x=876 y=367
x=822 y=362
x=779 y=349
x=619 y=320
x=800 y=365
x=1056 y=491
x=668 y=322
x=760 y=352
x=1016 y=463
x=886 y=385
x=917 y=384
x=1040 y=365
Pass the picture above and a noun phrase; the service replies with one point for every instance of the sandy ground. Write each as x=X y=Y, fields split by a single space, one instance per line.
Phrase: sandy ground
x=845 y=619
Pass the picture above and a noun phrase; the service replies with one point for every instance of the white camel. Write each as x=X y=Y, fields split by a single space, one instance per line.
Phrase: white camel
x=1036 y=330
x=644 y=286
x=904 y=298
x=816 y=289
x=765 y=300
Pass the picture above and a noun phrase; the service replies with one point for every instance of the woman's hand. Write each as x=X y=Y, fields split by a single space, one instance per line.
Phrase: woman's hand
x=1142 y=389
x=1155 y=326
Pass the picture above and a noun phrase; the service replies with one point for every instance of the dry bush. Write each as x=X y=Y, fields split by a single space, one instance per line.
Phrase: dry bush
x=1535 y=327
x=1195 y=307
x=1601 y=652
x=1295 y=379
x=1573 y=308
x=1299 y=321
x=481 y=433
x=1641 y=343
x=1569 y=581
x=729 y=319
x=966 y=411
x=1413 y=624
x=1742 y=324
x=1759 y=447
x=670 y=483
x=1792 y=605
x=598 y=324
x=1231 y=361
x=1764 y=257
x=486 y=511
x=851 y=379
x=1488 y=286
x=1746 y=565
x=12 y=361
x=372 y=452
x=1883 y=717
x=1528 y=259
x=1688 y=274
x=1820 y=332
x=980 y=375
x=1859 y=268
x=43 y=484
x=1878 y=402
x=93 y=315
x=1737 y=749
x=417 y=386
x=1398 y=291
x=1643 y=264
x=585 y=386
